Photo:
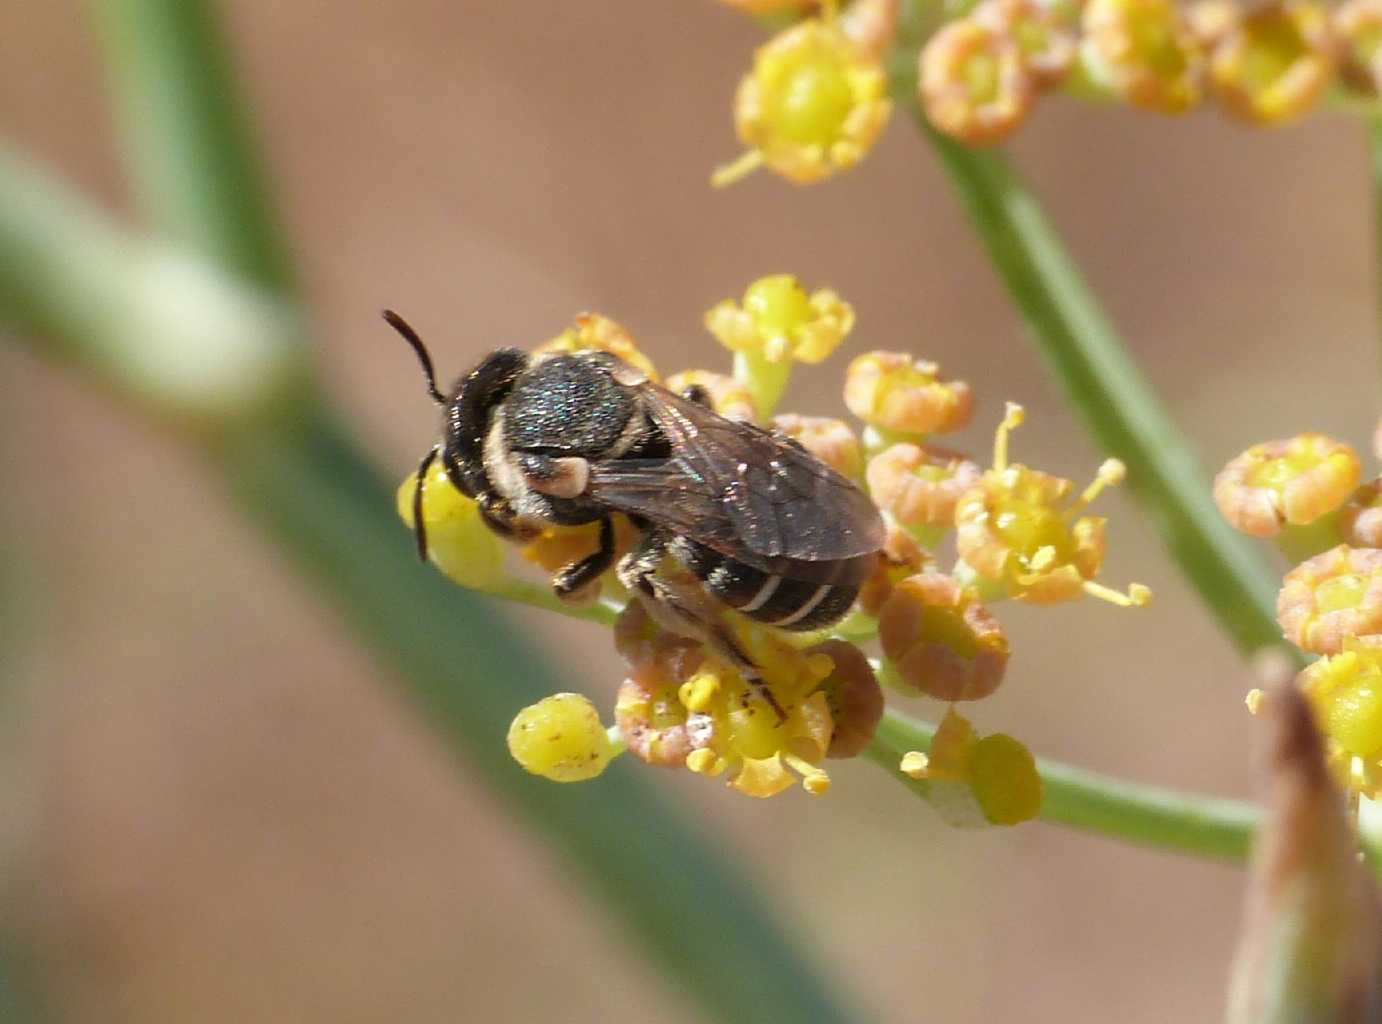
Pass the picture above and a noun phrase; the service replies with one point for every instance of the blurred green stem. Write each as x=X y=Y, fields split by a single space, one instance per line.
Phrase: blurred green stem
x=1147 y=815
x=187 y=137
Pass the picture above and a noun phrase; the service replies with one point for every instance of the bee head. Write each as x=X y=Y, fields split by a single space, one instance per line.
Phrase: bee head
x=466 y=415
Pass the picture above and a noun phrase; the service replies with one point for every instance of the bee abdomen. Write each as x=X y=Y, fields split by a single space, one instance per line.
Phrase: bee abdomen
x=771 y=599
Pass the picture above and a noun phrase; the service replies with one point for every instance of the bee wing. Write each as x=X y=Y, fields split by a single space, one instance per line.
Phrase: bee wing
x=743 y=492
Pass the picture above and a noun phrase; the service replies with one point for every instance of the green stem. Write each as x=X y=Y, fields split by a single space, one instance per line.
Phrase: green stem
x=187 y=137
x=154 y=324
x=1147 y=815
x=1065 y=320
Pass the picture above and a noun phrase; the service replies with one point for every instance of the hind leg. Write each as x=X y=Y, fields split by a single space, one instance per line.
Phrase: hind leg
x=687 y=610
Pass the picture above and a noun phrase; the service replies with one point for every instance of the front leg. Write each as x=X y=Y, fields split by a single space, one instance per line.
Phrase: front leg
x=569 y=581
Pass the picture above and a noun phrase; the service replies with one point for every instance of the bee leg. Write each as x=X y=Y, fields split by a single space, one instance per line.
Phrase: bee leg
x=576 y=575
x=687 y=611
x=419 y=524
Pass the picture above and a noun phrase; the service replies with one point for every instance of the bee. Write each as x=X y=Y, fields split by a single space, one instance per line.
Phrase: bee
x=757 y=522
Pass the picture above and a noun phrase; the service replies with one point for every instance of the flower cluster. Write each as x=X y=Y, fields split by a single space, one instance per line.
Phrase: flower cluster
x=1304 y=493
x=1013 y=532
x=816 y=97
x=1264 y=63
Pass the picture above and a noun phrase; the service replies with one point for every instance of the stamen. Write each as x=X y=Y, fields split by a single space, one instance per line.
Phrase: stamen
x=1254 y=700
x=728 y=174
x=813 y=779
x=1111 y=474
x=705 y=762
x=1012 y=419
x=1138 y=596
x=697 y=692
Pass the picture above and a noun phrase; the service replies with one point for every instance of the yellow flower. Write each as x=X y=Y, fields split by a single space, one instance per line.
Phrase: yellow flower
x=1274 y=62
x=1293 y=481
x=601 y=334
x=681 y=706
x=893 y=391
x=779 y=322
x=728 y=397
x=813 y=105
x=458 y=541
x=920 y=486
x=561 y=738
x=972 y=781
x=1042 y=30
x=974 y=82
x=1016 y=529
x=1144 y=51
x=1345 y=689
x=1329 y=598
x=1358 y=28
x=941 y=639
x=829 y=440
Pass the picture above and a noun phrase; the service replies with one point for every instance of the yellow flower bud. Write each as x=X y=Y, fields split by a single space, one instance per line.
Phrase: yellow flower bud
x=1295 y=481
x=813 y=105
x=872 y=25
x=974 y=82
x=593 y=332
x=920 y=486
x=942 y=640
x=1329 y=598
x=893 y=391
x=1275 y=61
x=1144 y=52
x=1360 y=518
x=902 y=556
x=458 y=541
x=561 y=738
x=829 y=440
x=853 y=696
x=728 y=397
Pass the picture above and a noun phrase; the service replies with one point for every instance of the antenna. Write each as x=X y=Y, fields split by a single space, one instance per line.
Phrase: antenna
x=423 y=356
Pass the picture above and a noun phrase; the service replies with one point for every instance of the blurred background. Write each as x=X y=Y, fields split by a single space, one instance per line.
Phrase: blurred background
x=214 y=807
